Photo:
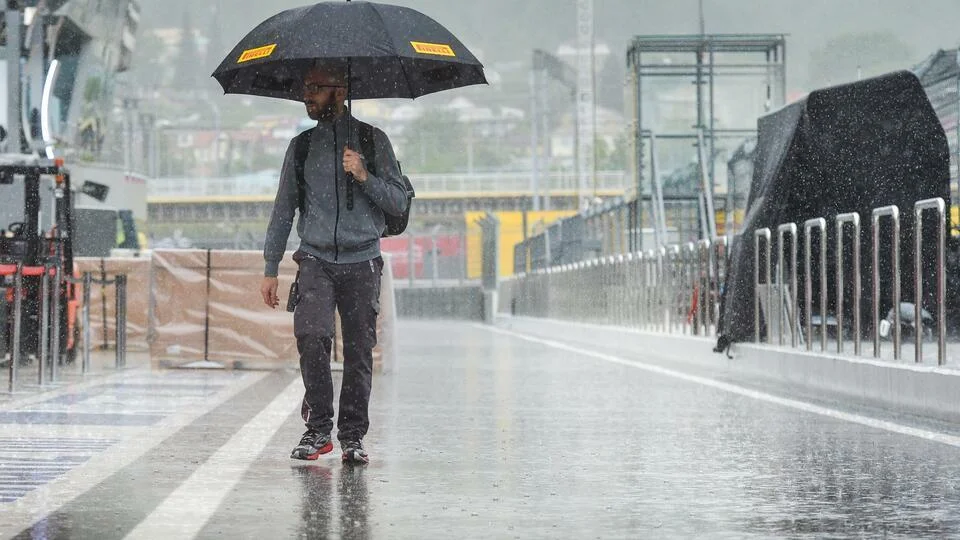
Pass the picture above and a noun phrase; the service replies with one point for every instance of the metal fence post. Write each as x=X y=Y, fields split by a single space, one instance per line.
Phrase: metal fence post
x=677 y=278
x=662 y=288
x=644 y=313
x=55 y=315
x=720 y=274
x=704 y=271
x=17 y=324
x=44 y=324
x=650 y=319
x=894 y=213
x=940 y=206
x=764 y=234
x=690 y=305
x=853 y=219
x=782 y=230
x=808 y=226
x=85 y=321
x=120 y=281
x=627 y=287
x=636 y=285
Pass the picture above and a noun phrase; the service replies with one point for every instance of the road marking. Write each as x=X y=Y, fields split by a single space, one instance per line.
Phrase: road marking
x=185 y=511
x=885 y=425
x=40 y=503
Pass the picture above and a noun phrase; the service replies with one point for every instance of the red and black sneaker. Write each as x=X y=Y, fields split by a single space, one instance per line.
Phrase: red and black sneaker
x=312 y=445
x=353 y=452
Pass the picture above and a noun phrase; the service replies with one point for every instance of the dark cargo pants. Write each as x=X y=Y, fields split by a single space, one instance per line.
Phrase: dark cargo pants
x=354 y=290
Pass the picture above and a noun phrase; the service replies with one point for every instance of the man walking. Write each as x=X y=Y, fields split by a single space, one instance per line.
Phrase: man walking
x=341 y=219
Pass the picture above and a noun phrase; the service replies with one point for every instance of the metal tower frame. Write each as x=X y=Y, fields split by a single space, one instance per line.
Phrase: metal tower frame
x=702 y=72
x=547 y=66
x=586 y=101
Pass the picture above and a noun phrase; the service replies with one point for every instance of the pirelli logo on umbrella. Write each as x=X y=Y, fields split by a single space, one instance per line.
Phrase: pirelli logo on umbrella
x=256 y=54
x=435 y=49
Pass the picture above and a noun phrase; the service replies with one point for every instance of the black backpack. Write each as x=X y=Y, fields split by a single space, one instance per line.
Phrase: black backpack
x=395 y=224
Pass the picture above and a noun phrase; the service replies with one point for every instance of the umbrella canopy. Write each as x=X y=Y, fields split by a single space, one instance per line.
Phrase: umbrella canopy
x=392 y=52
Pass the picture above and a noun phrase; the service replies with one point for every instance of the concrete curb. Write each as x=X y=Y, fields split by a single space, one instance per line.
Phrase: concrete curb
x=925 y=390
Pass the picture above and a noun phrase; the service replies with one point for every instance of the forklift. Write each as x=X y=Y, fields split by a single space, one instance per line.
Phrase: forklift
x=39 y=244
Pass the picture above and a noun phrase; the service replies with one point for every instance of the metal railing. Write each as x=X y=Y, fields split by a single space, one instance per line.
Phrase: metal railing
x=676 y=289
x=673 y=289
x=853 y=219
x=782 y=231
x=939 y=205
x=50 y=355
x=894 y=214
x=761 y=234
x=809 y=226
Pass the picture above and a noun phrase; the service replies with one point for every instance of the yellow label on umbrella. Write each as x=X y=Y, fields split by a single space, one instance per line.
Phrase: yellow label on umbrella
x=256 y=54
x=432 y=48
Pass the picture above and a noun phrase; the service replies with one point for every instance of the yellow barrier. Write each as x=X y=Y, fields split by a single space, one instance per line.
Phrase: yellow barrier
x=511 y=234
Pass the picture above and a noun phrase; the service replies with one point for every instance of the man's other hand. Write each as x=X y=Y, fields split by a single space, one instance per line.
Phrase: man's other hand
x=353 y=163
x=268 y=289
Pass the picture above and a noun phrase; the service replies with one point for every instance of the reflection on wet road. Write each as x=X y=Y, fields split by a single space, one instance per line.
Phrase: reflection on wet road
x=482 y=434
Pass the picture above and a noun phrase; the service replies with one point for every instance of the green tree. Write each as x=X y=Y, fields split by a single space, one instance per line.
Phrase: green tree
x=869 y=53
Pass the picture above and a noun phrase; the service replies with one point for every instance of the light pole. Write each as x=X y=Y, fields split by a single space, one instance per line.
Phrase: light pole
x=14 y=17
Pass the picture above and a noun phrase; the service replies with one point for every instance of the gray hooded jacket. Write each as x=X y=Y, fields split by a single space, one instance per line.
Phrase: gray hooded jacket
x=327 y=229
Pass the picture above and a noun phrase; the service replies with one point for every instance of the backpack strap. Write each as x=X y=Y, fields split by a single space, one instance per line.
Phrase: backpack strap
x=301 y=147
x=368 y=148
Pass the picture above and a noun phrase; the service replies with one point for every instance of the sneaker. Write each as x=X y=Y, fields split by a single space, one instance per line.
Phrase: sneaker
x=312 y=445
x=353 y=452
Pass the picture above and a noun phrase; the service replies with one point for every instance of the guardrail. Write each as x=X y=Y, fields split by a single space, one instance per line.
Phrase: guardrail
x=676 y=289
x=49 y=357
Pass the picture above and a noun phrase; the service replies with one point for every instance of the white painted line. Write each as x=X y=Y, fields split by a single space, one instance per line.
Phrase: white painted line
x=948 y=370
x=64 y=387
x=38 y=504
x=885 y=425
x=185 y=511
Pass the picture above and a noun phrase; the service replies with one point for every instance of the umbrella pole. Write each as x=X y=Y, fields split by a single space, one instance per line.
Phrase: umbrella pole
x=349 y=117
x=349 y=100
x=349 y=103
x=350 y=179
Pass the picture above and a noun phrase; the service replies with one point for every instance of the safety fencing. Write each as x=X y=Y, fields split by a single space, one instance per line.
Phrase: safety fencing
x=119 y=282
x=185 y=308
x=677 y=289
x=55 y=320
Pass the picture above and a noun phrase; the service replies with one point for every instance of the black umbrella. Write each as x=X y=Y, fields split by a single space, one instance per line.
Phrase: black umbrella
x=391 y=51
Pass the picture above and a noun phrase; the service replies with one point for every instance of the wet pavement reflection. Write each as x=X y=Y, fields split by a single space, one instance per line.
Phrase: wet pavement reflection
x=323 y=487
x=483 y=435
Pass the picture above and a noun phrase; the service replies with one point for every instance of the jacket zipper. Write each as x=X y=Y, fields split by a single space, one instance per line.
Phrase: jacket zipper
x=336 y=189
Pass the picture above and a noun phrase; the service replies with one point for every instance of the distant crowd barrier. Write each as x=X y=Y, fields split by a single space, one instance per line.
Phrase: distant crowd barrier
x=677 y=289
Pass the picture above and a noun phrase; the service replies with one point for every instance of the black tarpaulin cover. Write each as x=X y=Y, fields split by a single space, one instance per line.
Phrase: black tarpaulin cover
x=849 y=148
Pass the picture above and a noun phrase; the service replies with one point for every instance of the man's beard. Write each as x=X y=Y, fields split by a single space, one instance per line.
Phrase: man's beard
x=323 y=113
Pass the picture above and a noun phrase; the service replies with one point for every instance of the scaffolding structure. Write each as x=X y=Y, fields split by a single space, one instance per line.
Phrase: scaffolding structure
x=658 y=62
